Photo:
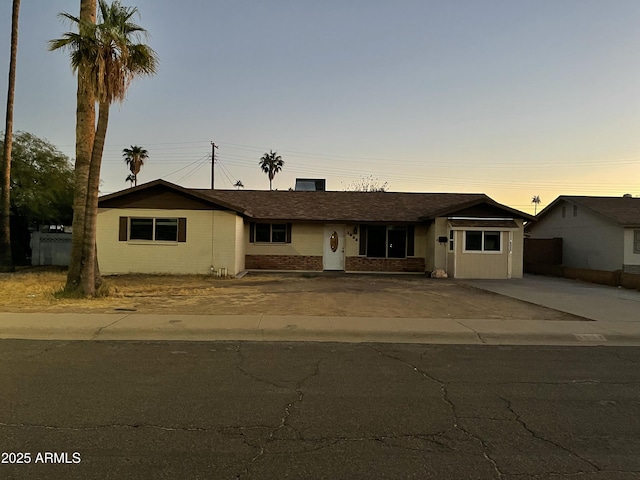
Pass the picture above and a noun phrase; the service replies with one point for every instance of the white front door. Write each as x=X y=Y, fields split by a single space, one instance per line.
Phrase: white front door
x=333 y=258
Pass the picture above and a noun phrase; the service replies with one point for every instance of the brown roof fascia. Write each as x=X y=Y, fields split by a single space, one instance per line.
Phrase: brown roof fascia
x=177 y=188
x=483 y=199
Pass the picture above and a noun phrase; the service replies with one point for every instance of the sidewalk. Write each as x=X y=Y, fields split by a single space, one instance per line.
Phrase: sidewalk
x=103 y=327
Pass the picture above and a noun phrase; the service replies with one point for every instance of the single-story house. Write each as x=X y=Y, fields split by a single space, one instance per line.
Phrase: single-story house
x=598 y=233
x=160 y=227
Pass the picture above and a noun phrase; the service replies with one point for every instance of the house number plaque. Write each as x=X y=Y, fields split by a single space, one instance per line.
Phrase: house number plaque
x=333 y=241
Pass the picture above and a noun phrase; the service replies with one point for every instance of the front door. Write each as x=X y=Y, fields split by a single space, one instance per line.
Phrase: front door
x=333 y=258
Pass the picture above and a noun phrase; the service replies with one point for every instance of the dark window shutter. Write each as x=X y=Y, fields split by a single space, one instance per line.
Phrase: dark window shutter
x=411 y=241
x=122 y=233
x=288 y=233
x=252 y=232
x=182 y=229
x=363 y=240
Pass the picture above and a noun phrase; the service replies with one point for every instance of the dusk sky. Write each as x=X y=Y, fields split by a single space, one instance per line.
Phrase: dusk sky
x=512 y=98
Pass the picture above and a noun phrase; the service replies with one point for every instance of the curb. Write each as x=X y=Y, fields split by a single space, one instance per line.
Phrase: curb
x=337 y=336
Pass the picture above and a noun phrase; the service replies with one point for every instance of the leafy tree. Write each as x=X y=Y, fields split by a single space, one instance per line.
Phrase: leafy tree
x=41 y=190
x=41 y=181
x=6 y=261
x=367 y=184
x=271 y=163
x=107 y=57
x=134 y=157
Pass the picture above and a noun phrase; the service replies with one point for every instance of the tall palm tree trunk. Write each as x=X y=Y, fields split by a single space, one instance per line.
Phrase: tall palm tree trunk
x=85 y=131
x=6 y=261
x=90 y=275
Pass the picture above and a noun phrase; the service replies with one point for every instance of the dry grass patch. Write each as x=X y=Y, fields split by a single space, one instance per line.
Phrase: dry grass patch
x=268 y=294
x=27 y=287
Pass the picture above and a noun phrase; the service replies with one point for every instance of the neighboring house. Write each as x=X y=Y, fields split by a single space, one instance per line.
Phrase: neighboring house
x=160 y=227
x=598 y=233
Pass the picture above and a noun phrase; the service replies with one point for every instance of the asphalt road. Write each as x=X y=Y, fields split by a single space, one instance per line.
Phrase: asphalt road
x=128 y=410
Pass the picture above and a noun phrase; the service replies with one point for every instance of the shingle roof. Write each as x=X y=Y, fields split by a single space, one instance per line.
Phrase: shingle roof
x=347 y=206
x=389 y=207
x=622 y=210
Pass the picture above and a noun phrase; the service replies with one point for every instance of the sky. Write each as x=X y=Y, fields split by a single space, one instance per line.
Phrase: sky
x=509 y=98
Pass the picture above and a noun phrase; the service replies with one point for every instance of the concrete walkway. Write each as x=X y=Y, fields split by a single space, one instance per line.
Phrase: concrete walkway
x=595 y=302
x=612 y=317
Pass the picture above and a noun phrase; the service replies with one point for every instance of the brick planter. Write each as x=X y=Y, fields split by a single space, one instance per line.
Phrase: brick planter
x=365 y=264
x=283 y=262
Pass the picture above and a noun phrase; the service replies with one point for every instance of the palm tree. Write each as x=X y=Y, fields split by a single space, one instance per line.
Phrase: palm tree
x=134 y=157
x=6 y=261
x=85 y=127
x=238 y=185
x=109 y=56
x=536 y=201
x=271 y=163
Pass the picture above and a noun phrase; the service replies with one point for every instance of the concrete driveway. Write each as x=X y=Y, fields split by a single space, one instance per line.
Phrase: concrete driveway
x=596 y=302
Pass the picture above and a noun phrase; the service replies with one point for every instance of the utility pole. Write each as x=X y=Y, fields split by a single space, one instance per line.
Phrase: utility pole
x=213 y=164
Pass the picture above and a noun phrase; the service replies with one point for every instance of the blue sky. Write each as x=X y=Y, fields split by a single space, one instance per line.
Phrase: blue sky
x=510 y=98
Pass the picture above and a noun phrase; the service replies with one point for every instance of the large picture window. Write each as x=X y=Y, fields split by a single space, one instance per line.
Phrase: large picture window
x=482 y=241
x=153 y=229
x=382 y=241
x=270 y=233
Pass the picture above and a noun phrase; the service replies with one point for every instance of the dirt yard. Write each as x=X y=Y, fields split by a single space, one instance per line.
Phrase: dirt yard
x=282 y=294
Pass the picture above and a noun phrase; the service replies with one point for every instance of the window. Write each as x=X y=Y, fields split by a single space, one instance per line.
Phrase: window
x=270 y=233
x=376 y=241
x=575 y=210
x=451 y=240
x=473 y=241
x=636 y=241
x=479 y=241
x=166 y=230
x=381 y=241
x=141 y=229
x=153 y=229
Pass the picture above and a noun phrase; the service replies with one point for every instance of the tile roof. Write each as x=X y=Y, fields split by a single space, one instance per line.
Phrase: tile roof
x=346 y=206
x=622 y=210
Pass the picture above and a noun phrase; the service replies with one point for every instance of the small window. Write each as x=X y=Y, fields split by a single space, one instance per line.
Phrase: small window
x=279 y=232
x=473 y=241
x=154 y=229
x=564 y=212
x=575 y=210
x=451 y=240
x=636 y=241
x=141 y=229
x=478 y=241
x=491 y=241
x=263 y=232
x=166 y=229
x=271 y=233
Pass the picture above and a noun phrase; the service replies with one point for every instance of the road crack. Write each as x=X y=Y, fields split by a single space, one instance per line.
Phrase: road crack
x=444 y=394
x=537 y=436
x=283 y=423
